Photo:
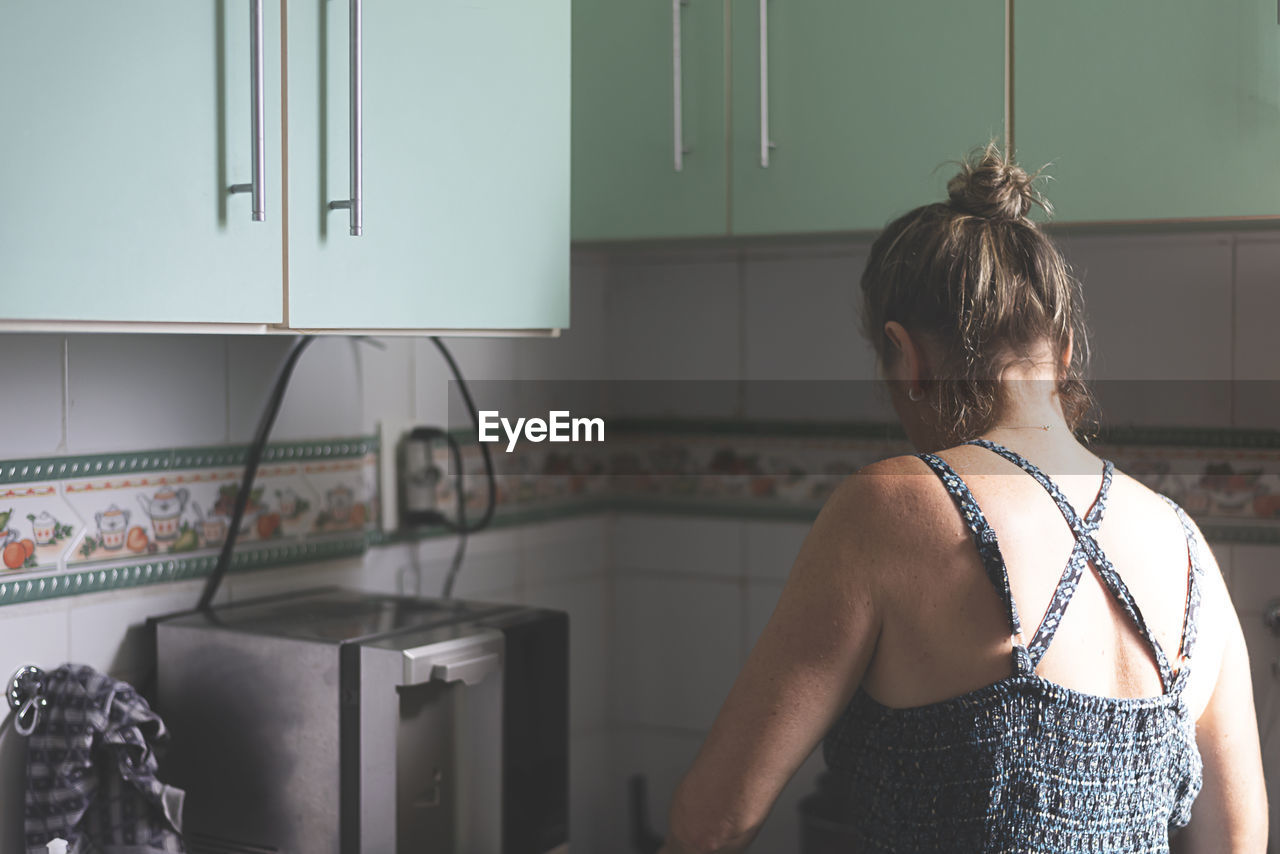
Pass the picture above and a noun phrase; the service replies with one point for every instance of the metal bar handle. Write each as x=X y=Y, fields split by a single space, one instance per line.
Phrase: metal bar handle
x=766 y=144
x=258 y=181
x=355 y=203
x=677 y=75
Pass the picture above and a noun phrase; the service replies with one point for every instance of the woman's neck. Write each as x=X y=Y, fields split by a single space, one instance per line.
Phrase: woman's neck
x=1029 y=409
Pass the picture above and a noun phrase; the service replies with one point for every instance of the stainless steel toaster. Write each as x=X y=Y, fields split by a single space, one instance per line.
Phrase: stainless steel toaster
x=340 y=722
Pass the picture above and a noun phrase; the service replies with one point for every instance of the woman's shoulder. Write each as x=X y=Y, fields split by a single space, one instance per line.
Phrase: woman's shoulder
x=887 y=504
x=884 y=487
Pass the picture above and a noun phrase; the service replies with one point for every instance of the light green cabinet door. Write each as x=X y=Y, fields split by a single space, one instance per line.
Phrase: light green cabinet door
x=865 y=103
x=1150 y=110
x=648 y=78
x=465 y=165
x=124 y=125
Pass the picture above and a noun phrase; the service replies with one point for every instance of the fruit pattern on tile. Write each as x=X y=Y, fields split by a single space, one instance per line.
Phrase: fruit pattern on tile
x=346 y=495
x=139 y=515
x=795 y=474
x=1209 y=483
x=36 y=527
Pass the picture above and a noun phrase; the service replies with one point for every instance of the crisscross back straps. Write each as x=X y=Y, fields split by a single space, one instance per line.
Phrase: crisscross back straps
x=1192 y=609
x=984 y=537
x=1071 y=575
x=1110 y=578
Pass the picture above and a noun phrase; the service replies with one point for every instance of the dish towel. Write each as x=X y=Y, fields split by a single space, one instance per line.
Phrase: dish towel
x=91 y=770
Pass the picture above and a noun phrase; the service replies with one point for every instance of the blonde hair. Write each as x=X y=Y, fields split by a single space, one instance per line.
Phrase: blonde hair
x=980 y=280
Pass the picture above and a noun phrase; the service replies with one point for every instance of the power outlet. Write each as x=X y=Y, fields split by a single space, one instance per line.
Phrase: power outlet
x=413 y=461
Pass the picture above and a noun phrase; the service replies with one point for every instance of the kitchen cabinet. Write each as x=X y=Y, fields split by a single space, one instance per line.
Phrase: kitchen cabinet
x=465 y=133
x=124 y=125
x=864 y=105
x=1150 y=110
x=129 y=123
x=649 y=156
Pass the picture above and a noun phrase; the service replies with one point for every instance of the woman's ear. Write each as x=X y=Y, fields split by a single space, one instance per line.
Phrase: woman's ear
x=908 y=357
x=897 y=335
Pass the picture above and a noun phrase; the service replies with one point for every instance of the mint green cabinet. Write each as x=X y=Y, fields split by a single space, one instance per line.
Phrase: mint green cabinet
x=124 y=124
x=627 y=123
x=865 y=104
x=1150 y=110
x=465 y=161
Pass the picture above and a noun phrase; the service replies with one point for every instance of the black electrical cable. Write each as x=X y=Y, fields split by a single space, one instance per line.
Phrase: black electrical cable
x=458 y=524
x=255 y=452
x=460 y=498
x=461 y=527
x=491 y=504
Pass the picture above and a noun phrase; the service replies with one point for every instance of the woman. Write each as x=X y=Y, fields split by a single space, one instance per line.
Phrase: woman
x=899 y=642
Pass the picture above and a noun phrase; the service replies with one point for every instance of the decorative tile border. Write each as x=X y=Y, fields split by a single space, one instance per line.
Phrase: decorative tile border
x=81 y=524
x=84 y=524
x=1228 y=480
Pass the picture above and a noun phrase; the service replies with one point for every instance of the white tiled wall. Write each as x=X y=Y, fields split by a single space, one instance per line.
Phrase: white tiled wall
x=323 y=398
x=801 y=322
x=34 y=383
x=656 y=543
x=679 y=648
x=673 y=320
x=692 y=596
x=127 y=392
x=1257 y=298
x=1159 y=309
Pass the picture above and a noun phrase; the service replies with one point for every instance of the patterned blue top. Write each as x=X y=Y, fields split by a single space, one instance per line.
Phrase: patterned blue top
x=1025 y=764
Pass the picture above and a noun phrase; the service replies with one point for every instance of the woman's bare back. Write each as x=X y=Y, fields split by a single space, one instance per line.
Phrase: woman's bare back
x=944 y=632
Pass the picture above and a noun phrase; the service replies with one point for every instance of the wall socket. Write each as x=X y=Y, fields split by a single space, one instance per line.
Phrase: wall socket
x=410 y=471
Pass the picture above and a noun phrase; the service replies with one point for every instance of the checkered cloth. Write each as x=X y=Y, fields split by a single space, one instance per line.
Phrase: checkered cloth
x=91 y=770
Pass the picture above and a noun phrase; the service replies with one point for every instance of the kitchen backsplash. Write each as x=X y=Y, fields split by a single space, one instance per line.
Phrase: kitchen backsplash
x=161 y=515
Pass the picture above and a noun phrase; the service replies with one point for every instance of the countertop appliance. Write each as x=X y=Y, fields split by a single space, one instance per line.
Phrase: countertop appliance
x=339 y=722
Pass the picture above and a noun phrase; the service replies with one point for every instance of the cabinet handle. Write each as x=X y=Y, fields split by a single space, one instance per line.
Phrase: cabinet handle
x=355 y=204
x=677 y=75
x=766 y=144
x=254 y=188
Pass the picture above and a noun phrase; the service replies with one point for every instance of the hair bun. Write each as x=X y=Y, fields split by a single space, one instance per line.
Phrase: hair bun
x=991 y=186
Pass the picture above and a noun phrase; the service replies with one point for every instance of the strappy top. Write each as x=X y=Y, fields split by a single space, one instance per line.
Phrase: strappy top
x=1025 y=764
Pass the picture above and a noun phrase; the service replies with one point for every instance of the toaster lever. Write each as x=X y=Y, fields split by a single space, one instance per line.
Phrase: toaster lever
x=470 y=671
x=468 y=659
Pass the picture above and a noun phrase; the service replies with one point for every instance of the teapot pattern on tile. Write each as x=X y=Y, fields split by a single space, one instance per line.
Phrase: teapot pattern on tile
x=165 y=510
x=113 y=526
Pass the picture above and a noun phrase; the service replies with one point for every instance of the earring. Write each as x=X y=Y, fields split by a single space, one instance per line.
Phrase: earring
x=915 y=395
